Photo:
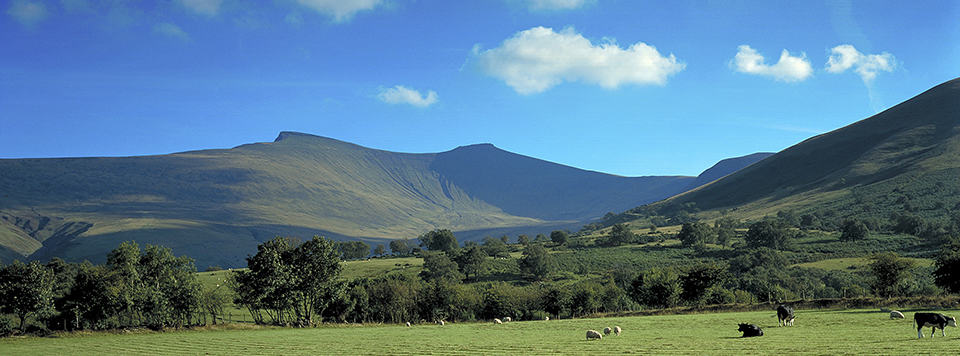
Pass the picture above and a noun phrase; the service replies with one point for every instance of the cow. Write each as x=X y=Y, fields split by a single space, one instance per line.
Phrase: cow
x=784 y=315
x=935 y=320
x=750 y=330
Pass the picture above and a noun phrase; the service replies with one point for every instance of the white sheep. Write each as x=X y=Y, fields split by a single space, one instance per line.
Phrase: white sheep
x=616 y=330
x=441 y=322
x=593 y=334
x=896 y=315
x=507 y=319
x=408 y=324
x=607 y=330
x=497 y=321
x=546 y=318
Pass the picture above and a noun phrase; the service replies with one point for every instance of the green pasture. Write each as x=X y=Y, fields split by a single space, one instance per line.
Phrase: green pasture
x=862 y=332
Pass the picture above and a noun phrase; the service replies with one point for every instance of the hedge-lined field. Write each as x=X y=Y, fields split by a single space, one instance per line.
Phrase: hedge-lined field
x=816 y=332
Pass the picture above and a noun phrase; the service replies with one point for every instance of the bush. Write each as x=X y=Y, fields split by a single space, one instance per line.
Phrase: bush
x=6 y=327
x=719 y=295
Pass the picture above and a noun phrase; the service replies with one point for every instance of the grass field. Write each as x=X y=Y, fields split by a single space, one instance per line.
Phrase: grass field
x=855 y=263
x=816 y=332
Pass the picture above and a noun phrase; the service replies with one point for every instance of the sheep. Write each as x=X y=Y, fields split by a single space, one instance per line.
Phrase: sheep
x=408 y=324
x=593 y=334
x=441 y=322
x=546 y=318
x=507 y=319
x=896 y=315
x=607 y=330
x=497 y=321
x=616 y=330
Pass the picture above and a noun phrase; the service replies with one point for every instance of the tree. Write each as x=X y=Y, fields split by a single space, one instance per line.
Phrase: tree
x=726 y=230
x=439 y=240
x=559 y=237
x=26 y=289
x=556 y=300
x=437 y=266
x=853 y=229
x=314 y=270
x=619 y=234
x=656 y=288
x=170 y=292
x=699 y=279
x=947 y=272
x=471 y=261
x=353 y=250
x=540 y=238
x=122 y=263
x=495 y=248
x=523 y=239
x=695 y=234
x=889 y=271
x=505 y=239
x=380 y=250
x=536 y=262
x=401 y=247
x=768 y=234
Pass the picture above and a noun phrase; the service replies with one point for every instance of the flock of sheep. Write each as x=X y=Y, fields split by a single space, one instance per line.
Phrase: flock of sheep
x=593 y=334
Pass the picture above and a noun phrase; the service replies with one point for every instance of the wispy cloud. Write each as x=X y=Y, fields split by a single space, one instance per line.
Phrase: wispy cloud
x=787 y=69
x=538 y=5
x=171 y=30
x=203 y=7
x=846 y=56
x=340 y=10
x=538 y=59
x=28 y=13
x=402 y=95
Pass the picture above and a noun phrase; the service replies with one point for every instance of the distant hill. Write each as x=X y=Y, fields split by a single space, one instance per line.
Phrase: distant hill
x=217 y=205
x=903 y=160
x=728 y=166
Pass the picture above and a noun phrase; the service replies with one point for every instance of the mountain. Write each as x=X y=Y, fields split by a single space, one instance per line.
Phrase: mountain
x=905 y=159
x=217 y=205
x=728 y=166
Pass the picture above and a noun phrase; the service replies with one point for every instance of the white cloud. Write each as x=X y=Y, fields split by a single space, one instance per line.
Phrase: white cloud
x=537 y=59
x=203 y=7
x=844 y=57
x=27 y=13
x=787 y=69
x=556 y=4
x=340 y=10
x=402 y=95
x=169 y=29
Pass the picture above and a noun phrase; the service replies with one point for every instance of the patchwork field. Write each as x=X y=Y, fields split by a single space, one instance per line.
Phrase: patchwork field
x=816 y=332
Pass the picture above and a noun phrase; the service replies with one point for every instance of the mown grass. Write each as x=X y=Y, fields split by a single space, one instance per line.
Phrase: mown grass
x=816 y=332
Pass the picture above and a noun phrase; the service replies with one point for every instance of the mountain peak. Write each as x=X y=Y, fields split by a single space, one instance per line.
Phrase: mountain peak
x=290 y=134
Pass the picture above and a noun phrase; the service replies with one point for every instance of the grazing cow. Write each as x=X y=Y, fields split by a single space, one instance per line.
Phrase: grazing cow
x=934 y=320
x=896 y=315
x=750 y=330
x=784 y=315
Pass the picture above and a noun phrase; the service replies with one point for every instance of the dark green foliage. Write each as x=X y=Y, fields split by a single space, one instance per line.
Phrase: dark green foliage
x=541 y=238
x=947 y=272
x=853 y=229
x=352 y=250
x=380 y=250
x=402 y=247
x=888 y=271
x=619 y=234
x=725 y=229
x=25 y=290
x=523 y=239
x=556 y=300
x=6 y=327
x=695 y=234
x=909 y=224
x=762 y=257
x=537 y=263
x=697 y=280
x=169 y=293
x=470 y=261
x=770 y=234
x=810 y=222
x=439 y=240
x=656 y=287
x=495 y=248
x=559 y=237
x=437 y=266
x=212 y=301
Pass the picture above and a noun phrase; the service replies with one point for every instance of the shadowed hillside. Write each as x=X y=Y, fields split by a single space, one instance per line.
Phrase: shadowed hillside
x=216 y=205
x=904 y=159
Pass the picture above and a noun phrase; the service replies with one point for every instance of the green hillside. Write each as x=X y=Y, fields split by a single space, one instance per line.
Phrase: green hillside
x=217 y=205
x=902 y=160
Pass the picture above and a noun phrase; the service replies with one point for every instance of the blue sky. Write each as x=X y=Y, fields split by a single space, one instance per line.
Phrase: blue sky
x=625 y=87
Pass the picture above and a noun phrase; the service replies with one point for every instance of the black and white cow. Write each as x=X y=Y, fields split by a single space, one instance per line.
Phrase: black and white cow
x=935 y=320
x=750 y=330
x=784 y=315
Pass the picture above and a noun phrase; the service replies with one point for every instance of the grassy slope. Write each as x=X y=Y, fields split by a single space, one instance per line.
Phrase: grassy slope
x=216 y=205
x=816 y=332
x=903 y=159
